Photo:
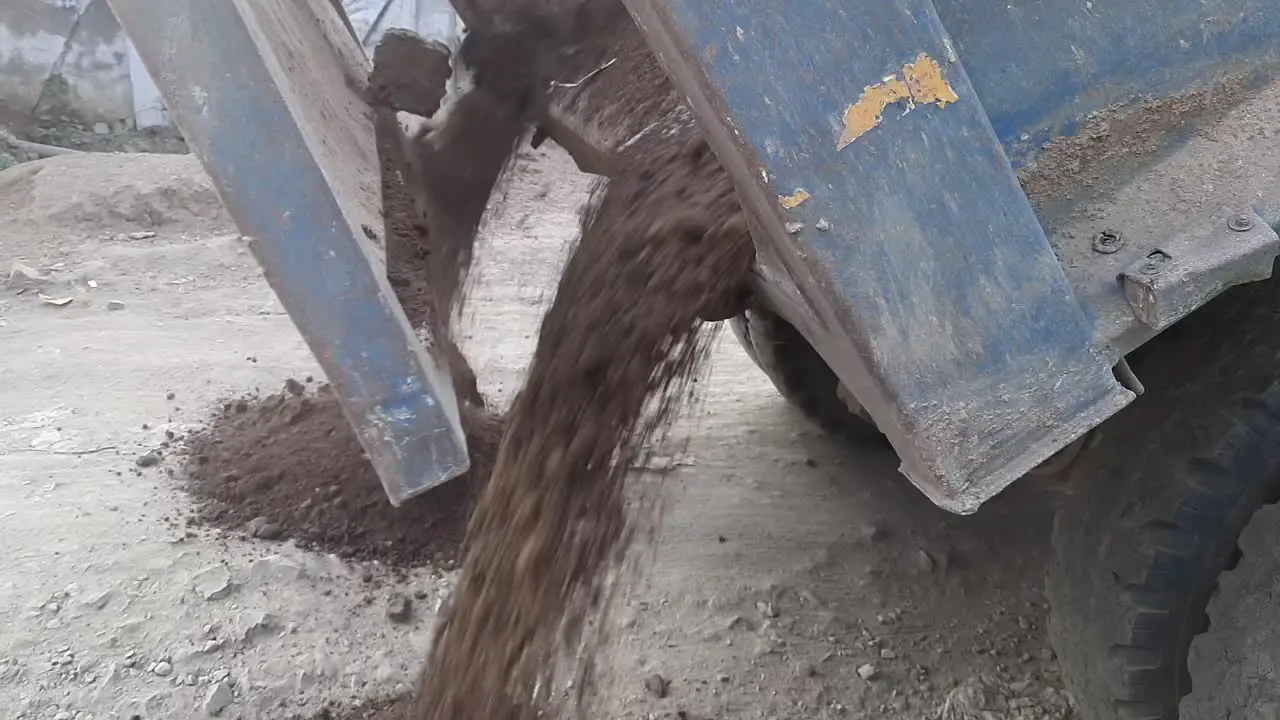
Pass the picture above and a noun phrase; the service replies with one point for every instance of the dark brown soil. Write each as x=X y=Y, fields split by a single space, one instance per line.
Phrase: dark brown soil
x=291 y=460
x=664 y=244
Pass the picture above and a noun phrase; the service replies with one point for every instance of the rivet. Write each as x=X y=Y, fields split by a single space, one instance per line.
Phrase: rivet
x=1240 y=223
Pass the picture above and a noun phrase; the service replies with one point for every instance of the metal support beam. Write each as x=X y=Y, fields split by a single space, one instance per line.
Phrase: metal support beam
x=263 y=91
x=894 y=233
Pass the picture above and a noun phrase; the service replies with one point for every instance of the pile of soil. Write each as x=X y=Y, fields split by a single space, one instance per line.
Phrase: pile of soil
x=117 y=192
x=289 y=466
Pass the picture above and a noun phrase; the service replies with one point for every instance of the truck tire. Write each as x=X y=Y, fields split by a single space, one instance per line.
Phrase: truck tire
x=1233 y=663
x=801 y=376
x=1156 y=506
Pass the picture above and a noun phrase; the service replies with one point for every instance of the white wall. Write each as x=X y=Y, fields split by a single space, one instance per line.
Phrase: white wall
x=76 y=40
x=432 y=19
x=108 y=79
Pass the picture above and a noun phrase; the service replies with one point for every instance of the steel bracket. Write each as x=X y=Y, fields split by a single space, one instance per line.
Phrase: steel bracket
x=1183 y=274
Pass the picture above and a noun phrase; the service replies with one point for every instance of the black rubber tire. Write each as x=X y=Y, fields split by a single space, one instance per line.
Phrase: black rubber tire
x=1157 y=503
x=801 y=376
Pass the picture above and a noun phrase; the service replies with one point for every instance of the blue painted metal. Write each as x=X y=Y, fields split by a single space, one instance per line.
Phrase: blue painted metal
x=258 y=89
x=1040 y=66
x=917 y=267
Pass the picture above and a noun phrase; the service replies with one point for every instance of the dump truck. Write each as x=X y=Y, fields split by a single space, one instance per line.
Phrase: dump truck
x=1027 y=240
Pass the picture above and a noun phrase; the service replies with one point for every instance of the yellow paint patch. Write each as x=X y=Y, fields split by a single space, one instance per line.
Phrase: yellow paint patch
x=921 y=83
x=925 y=81
x=868 y=112
x=795 y=199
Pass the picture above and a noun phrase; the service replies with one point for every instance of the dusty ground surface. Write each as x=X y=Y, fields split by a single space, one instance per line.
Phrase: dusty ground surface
x=793 y=578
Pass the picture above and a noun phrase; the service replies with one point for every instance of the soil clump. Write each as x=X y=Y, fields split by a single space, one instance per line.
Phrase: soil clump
x=288 y=466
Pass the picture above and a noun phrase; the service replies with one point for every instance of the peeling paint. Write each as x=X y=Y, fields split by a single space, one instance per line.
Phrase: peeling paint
x=920 y=83
x=795 y=199
x=928 y=87
x=868 y=112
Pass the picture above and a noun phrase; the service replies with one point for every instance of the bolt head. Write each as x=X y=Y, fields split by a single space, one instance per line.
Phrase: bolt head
x=1154 y=264
x=1240 y=223
x=1107 y=242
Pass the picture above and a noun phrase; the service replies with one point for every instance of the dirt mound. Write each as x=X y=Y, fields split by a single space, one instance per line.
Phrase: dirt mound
x=111 y=191
x=289 y=466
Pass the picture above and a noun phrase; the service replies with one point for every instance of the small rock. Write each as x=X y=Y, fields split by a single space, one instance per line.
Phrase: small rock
x=142 y=235
x=805 y=669
x=115 y=305
x=275 y=569
x=888 y=654
x=657 y=685
x=868 y=671
x=163 y=669
x=870 y=532
x=56 y=301
x=261 y=527
x=101 y=128
x=400 y=608
x=823 y=225
x=767 y=609
x=212 y=583
x=294 y=387
x=256 y=623
x=922 y=562
x=25 y=276
x=97 y=600
x=218 y=699
x=150 y=459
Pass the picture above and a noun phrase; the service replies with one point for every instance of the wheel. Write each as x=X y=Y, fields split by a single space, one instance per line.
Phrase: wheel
x=1157 y=504
x=801 y=376
x=1233 y=664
